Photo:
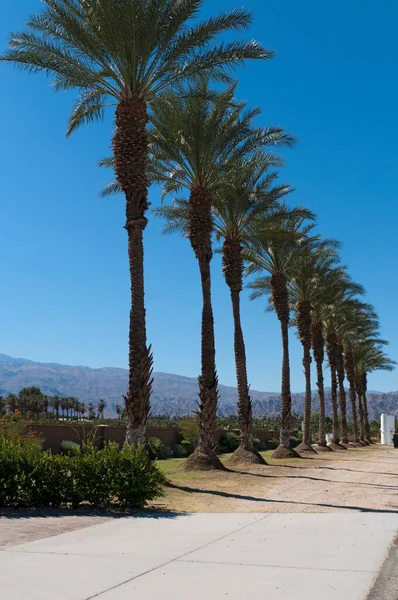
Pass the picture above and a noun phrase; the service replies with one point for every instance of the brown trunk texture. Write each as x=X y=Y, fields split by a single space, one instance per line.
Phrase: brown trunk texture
x=280 y=299
x=233 y=273
x=350 y=372
x=342 y=394
x=130 y=147
x=364 y=381
x=331 y=347
x=358 y=388
x=200 y=230
x=318 y=348
x=304 y=329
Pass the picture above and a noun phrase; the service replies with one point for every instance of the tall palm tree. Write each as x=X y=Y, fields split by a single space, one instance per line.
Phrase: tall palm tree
x=192 y=139
x=343 y=299
x=359 y=323
x=274 y=255
x=368 y=357
x=314 y=259
x=246 y=193
x=129 y=54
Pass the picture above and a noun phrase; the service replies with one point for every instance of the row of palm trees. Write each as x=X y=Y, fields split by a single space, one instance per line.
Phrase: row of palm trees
x=164 y=72
x=33 y=403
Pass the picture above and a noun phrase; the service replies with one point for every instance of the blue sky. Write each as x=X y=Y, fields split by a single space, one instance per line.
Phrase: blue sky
x=64 y=273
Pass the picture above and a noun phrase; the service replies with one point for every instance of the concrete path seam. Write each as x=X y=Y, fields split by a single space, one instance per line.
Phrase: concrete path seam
x=238 y=564
x=175 y=559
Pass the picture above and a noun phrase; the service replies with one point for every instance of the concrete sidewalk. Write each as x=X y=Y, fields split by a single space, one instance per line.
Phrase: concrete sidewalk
x=204 y=556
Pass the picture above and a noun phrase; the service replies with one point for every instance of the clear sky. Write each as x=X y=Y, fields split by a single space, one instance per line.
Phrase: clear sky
x=64 y=272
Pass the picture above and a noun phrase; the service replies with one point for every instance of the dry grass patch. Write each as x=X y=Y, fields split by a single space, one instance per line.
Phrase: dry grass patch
x=357 y=479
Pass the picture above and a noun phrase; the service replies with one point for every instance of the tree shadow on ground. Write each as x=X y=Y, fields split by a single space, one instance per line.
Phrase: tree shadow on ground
x=30 y=513
x=190 y=490
x=343 y=469
x=267 y=475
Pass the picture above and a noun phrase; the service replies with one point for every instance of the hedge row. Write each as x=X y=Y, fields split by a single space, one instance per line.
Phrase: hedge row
x=100 y=478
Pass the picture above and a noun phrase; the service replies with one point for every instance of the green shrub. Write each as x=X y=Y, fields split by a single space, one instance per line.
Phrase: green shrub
x=179 y=451
x=189 y=430
x=100 y=478
x=272 y=444
x=229 y=442
x=156 y=449
x=259 y=445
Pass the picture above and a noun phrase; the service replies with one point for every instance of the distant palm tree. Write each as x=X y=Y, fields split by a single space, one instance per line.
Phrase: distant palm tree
x=129 y=54
x=368 y=357
x=118 y=410
x=91 y=411
x=313 y=261
x=274 y=255
x=101 y=407
x=55 y=403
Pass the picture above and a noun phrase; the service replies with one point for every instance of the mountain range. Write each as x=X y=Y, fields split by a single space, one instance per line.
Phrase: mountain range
x=173 y=395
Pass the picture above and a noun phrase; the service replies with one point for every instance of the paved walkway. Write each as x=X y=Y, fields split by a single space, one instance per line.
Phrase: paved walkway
x=204 y=556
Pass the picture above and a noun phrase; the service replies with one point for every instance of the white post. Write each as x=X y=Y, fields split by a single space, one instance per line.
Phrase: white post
x=387 y=428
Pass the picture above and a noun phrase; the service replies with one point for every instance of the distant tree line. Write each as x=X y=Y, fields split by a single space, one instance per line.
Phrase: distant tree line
x=32 y=403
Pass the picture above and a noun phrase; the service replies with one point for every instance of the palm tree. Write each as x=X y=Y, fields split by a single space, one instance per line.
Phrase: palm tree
x=55 y=403
x=245 y=193
x=101 y=407
x=118 y=410
x=360 y=323
x=91 y=411
x=320 y=306
x=130 y=55
x=314 y=259
x=343 y=300
x=192 y=139
x=274 y=255
x=368 y=357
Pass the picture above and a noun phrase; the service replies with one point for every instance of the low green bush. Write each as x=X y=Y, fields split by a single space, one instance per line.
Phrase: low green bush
x=272 y=444
x=156 y=448
x=179 y=451
x=101 y=478
x=229 y=442
x=189 y=431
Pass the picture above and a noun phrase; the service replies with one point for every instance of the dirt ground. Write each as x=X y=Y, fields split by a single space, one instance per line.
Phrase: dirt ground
x=364 y=480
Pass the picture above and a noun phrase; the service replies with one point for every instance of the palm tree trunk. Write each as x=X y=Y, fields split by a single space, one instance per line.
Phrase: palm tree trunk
x=233 y=272
x=130 y=146
x=364 y=381
x=244 y=402
x=286 y=398
x=280 y=300
x=361 y=416
x=332 y=351
x=304 y=329
x=354 y=412
x=342 y=396
x=307 y=437
x=200 y=230
x=350 y=371
x=336 y=433
x=318 y=345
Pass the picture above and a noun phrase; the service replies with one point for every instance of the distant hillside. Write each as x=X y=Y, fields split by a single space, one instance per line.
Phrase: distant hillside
x=173 y=395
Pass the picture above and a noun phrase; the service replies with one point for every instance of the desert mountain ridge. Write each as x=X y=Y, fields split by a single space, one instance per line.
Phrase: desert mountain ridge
x=173 y=395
